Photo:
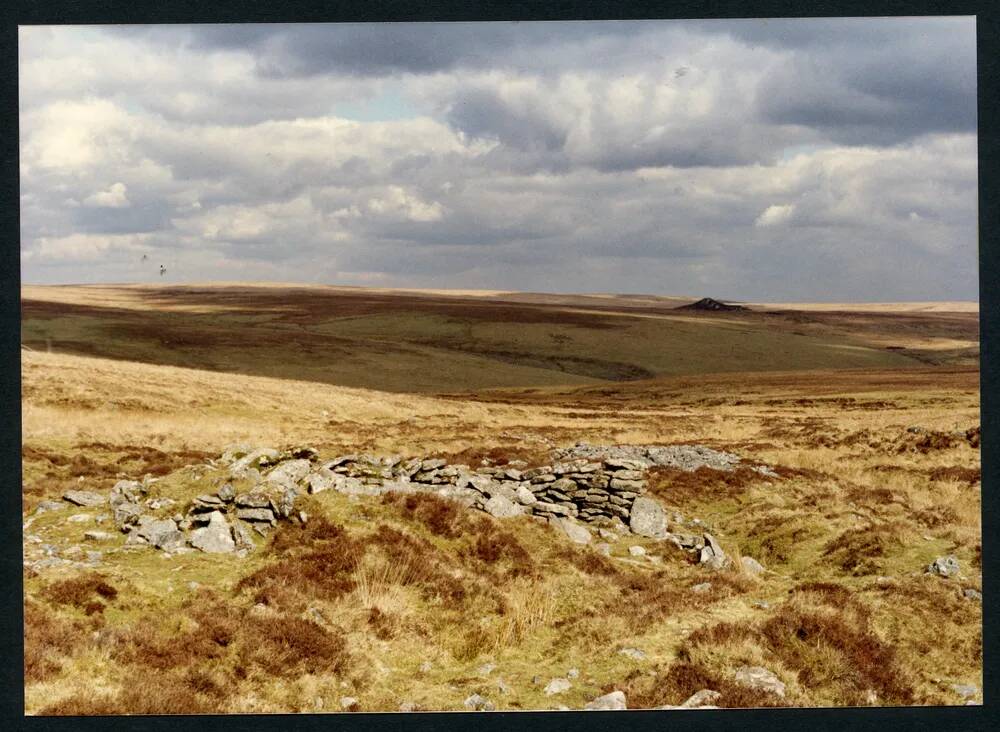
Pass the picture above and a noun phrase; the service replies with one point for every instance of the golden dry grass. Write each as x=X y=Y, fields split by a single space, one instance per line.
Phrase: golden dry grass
x=356 y=601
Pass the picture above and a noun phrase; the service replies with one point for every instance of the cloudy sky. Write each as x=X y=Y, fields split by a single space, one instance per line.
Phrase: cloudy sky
x=761 y=159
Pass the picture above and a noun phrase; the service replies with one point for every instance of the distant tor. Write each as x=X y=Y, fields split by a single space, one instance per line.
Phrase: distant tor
x=707 y=303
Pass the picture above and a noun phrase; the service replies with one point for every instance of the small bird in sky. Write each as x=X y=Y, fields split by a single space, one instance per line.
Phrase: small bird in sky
x=145 y=257
x=163 y=270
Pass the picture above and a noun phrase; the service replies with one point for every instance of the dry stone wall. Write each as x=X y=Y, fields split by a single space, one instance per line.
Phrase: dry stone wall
x=600 y=486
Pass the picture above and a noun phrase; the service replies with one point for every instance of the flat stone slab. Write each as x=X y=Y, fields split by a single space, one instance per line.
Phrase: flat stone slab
x=85 y=498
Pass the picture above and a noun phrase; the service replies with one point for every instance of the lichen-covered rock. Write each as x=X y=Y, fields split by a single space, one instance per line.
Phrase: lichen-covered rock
x=163 y=534
x=615 y=701
x=758 y=677
x=216 y=538
x=126 y=514
x=944 y=566
x=557 y=686
x=502 y=507
x=232 y=453
x=253 y=500
x=647 y=518
x=712 y=554
x=478 y=703
x=751 y=566
x=127 y=491
x=48 y=506
x=320 y=480
x=226 y=493
x=241 y=537
x=97 y=536
x=524 y=496
x=85 y=498
x=289 y=473
x=252 y=461
x=701 y=699
x=256 y=514
x=575 y=531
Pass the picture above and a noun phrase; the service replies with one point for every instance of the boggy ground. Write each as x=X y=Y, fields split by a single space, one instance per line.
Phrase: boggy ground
x=379 y=602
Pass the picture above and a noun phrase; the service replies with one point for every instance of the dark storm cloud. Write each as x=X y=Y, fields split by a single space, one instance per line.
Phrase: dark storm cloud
x=876 y=85
x=386 y=48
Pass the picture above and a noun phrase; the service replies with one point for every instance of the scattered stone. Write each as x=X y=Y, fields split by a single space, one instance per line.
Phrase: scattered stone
x=408 y=706
x=348 y=703
x=758 y=677
x=575 y=531
x=226 y=493
x=216 y=538
x=966 y=691
x=252 y=500
x=637 y=551
x=502 y=687
x=760 y=604
x=557 y=686
x=702 y=698
x=241 y=537
x=242 y=467
x=751 y=565
x=80 y=518
x=944 y=566
x=712 y=554
x=648 y=519
x=207 y=503
x=127 y=491
x=48 y=506
x=426 y=666
x=289 y=473
x=685 y=457
x=615 y=701
x=286 y=502
x=97 y=536
x=126 y=514
x=234 y=452
x=320 y=480
x=603 y=548
x=634 y=653
x=701 y=588
x=85 y=498
x=972 y=594
x=255 y=514
x=486 y=669
x=478 y=703
x=161 y=534
x=573 y=673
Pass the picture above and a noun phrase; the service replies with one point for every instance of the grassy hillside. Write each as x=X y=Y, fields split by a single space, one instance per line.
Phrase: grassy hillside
x=439 y=343
x=425 y=596
x=869 y=419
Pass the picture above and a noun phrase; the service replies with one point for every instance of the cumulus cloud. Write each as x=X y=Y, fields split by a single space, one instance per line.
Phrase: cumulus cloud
x=114 y=197
x=740 y=159
x=775 y=215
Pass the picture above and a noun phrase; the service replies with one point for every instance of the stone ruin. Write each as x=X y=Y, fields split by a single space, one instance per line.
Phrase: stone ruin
x=599 y=486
